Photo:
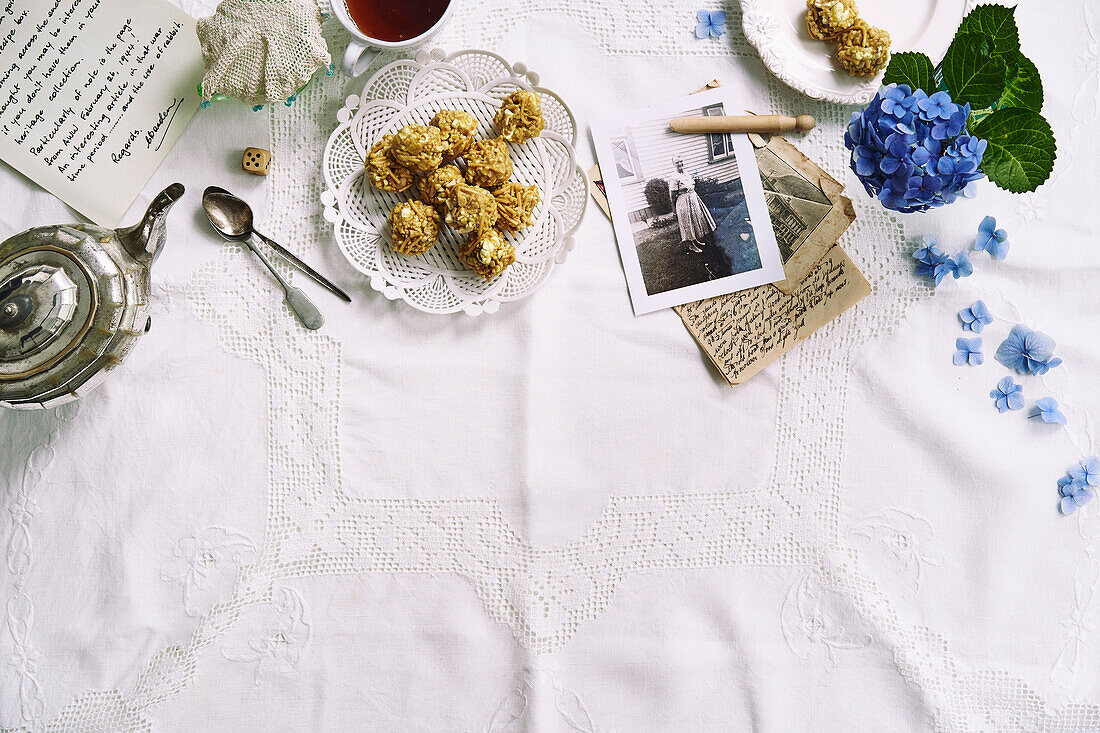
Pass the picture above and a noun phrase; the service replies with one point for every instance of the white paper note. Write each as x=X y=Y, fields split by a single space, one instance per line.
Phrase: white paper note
x=93 y=95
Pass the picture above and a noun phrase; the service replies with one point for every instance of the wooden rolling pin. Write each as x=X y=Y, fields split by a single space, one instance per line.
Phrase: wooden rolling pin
x=760 y=124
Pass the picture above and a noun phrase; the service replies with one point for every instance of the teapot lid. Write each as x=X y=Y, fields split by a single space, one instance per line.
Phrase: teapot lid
x=46 y=306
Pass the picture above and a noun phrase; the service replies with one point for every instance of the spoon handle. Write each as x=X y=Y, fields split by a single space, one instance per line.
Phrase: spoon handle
x=302 y=306
x=293 y=259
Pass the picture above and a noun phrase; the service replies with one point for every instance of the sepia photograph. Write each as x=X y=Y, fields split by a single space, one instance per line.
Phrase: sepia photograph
x=689 y=210
x=797 y=206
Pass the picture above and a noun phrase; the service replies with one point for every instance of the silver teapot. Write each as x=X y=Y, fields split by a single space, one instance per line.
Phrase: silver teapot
x=74 y=298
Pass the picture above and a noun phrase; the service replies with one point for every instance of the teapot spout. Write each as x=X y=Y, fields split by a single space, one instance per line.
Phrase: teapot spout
x=143 y=241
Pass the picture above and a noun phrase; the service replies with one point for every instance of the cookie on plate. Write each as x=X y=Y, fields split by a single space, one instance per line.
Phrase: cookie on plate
x=414 y=227
x=488 y=163
x=863 y=49
x=458 y=129
x=383 y=170
x=418 y=147
x=436 y=186
x=519 y=118
x=826 y=19
x=471 y=209
x=516 y=205
x=487 y=254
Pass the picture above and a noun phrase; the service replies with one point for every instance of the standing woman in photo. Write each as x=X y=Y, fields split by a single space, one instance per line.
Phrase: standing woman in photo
x=694 y=219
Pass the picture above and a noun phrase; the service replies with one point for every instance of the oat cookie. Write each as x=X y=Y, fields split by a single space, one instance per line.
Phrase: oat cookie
x=488 y=163
x=487 y=254
x=863 y=49
x=436 y=186
x=418 y=147
x=471 y=209
x=827 y=19
x=457 y=129
x=520 y=117
x=516 y=205
x=414 y=227
x=383 y=171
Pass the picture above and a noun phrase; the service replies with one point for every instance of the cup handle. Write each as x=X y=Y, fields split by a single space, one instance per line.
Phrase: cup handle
x=357 y=58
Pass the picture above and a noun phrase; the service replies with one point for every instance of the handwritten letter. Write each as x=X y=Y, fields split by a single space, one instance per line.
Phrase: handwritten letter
x=93 y=94
x=745 y=331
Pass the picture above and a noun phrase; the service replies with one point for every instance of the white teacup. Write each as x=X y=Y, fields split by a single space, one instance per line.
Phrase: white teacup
x=362 y=49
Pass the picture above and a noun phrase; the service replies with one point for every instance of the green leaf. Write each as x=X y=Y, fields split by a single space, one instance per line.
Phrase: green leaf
x=914 y=69
x=1021 y=149
x=1024 y=88
x=996 y=23
x=971 y=74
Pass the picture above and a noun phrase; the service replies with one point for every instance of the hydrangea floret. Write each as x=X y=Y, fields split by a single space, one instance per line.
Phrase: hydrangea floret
x=991 y=239
x=968 y=351
x=1007 y=395
x=912 y=151
x=935 y=264
x=960 y=265
x=710 y=23
x=1087 y=471
x=1076 y=488
x=976 y=317
x=1046 y=408
x=1027 y=351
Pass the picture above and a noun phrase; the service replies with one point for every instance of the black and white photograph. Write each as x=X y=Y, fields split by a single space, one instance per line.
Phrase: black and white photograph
x=688 y=209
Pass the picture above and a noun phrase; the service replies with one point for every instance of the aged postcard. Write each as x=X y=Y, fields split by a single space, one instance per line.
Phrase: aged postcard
x=807 y=209
x=689 y=211
x=93 y=94
x=743 y=332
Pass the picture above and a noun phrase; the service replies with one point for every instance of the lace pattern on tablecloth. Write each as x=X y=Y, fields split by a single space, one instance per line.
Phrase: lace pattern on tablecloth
x=314 y=526
x=19 y=552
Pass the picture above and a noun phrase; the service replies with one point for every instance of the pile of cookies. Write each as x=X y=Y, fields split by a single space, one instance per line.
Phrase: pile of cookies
x=462 y=182
x=861 y=48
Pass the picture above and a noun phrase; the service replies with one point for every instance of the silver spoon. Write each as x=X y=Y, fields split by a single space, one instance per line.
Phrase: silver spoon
x=320 y=279
x=234 y=223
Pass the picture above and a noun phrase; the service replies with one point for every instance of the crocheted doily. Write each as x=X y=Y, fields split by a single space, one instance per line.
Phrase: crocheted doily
x=261 y=51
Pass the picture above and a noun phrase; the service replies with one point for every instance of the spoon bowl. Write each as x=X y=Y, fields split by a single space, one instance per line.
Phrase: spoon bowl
x=230 y=216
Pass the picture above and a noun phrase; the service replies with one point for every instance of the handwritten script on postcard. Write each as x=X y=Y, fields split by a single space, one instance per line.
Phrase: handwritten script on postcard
x=745 y=331
x=93 y=95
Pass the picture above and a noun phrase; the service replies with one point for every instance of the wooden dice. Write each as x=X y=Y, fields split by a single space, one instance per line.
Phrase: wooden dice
x=256 y=161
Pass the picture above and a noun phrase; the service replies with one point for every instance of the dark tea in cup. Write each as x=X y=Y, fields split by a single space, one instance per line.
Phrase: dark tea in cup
x=395 y=20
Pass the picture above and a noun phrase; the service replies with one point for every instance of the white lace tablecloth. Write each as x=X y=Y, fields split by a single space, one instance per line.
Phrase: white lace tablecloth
x=558 y=517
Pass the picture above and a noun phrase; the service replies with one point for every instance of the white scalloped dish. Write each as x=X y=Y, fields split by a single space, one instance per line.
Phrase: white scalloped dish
x=411 y=91
x=777 y=28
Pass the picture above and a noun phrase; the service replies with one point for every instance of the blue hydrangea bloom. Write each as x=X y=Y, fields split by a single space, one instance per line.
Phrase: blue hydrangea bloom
x=711 y=23
x=1008 y=395
x=1087 y=471
x=1027 y=351
x=968 y=351
x=976 y=317
x=1074 y=493
x=991 y=239
x=1047 y=409
x=912 y=151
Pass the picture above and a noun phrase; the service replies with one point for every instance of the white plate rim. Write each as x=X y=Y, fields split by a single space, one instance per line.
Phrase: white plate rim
x=759 y=22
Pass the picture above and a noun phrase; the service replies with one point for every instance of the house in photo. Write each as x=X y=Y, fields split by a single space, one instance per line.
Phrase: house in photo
x=644 y=155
